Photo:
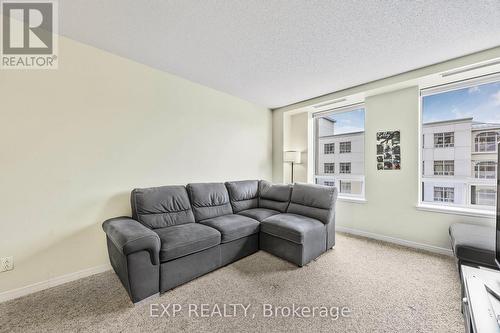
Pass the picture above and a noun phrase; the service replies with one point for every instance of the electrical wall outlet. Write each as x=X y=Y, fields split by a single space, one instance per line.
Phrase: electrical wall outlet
x=6 y=264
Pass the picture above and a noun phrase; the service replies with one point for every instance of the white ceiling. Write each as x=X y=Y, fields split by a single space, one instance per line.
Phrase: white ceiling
x=277 y=52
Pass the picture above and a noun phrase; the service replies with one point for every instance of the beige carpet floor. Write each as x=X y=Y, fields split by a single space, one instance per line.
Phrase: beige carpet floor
x=387 y=289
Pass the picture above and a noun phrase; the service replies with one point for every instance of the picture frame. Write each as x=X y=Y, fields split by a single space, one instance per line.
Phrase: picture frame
x=388 y=150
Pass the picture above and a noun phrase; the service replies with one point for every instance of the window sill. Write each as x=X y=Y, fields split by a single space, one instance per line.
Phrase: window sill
x=456 y=210
x=351 y=199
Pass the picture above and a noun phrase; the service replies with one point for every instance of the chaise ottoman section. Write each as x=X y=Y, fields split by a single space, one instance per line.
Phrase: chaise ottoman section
x=296 y=238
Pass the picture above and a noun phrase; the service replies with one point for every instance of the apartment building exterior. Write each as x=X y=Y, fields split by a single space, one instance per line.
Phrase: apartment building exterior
x=459 y=161
x=340 y=159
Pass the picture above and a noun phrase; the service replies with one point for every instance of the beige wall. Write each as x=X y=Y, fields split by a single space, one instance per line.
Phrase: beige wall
x=391 y=196
x=76 y=140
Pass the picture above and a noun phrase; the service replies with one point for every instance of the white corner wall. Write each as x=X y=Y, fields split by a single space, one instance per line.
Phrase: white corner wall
x=76 y=140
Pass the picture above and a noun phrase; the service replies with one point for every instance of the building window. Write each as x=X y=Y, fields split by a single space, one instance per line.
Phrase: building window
x=444 y=168
x=329 y=148
x=345 y=167
x=461 y=115
x=483 y=195
x=341 y=130
x=485 y=170
x=345 y=186
x=444 y=194
x=486 y=142
x=345 y=147
x=329 y=168
x=442 y=140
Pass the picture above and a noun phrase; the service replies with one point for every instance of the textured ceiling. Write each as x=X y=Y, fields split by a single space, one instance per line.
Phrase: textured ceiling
x=277 y=52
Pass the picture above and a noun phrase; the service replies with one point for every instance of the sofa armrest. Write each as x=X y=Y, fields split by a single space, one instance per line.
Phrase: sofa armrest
x=130 y=236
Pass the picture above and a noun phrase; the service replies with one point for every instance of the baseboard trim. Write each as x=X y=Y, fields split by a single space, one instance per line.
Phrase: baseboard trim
x=52 y=282
x=398 y=241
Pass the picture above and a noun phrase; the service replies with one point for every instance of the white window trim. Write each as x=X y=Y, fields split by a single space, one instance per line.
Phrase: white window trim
x=440 y=207
x=360 y=198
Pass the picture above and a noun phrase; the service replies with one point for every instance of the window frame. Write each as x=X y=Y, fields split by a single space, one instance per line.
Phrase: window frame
x=329 y=151
x=356 y=198
x=329 y=164
x=477 y=165
x=444 y=165
x=436 y=87
x=344 y=183
x=481 y=188
x=345 y=151
x=451 y=144
x=485 y=135
x=345 y=164
x=444 y=190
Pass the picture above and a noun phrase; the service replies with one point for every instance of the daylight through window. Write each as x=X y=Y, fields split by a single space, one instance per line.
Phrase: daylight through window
x=460 y=131
x=339 y=150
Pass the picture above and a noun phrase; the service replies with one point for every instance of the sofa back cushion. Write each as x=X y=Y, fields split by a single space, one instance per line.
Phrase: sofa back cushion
x=209 y=200
x=159 y=207
x=315 y=201
x=243 y=194
x=274 y=196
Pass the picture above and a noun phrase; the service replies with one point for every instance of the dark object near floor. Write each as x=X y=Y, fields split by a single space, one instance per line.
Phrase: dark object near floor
x=473 y=244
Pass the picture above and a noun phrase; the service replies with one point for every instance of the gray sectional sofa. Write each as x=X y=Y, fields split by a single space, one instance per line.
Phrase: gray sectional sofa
x=178 y=233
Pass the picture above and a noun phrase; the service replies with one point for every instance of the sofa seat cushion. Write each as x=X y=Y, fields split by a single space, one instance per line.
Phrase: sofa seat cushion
x=181 y=240
x=259 y=214
x=233 y=226
x=295 y=228
x=473 y=243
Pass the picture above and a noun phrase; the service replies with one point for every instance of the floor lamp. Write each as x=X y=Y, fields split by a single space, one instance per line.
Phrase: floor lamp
x=293 y=157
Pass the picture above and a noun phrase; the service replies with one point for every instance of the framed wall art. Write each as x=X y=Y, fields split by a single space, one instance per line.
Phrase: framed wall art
x=388 y=150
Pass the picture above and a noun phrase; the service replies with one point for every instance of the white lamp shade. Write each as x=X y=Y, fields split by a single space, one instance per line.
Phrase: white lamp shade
x=292 y=156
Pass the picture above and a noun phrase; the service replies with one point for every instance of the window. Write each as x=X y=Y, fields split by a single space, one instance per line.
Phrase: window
x=329 y=167
x=345 y=186
x=483 y=195
x=485 y=170
x=486 y=142
x=345 y=167
x=444 y=168
x=329 y=148
x=442 y=140
x=345 y=147
x=460 y=128
x=344 y=128
x=444 y=194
